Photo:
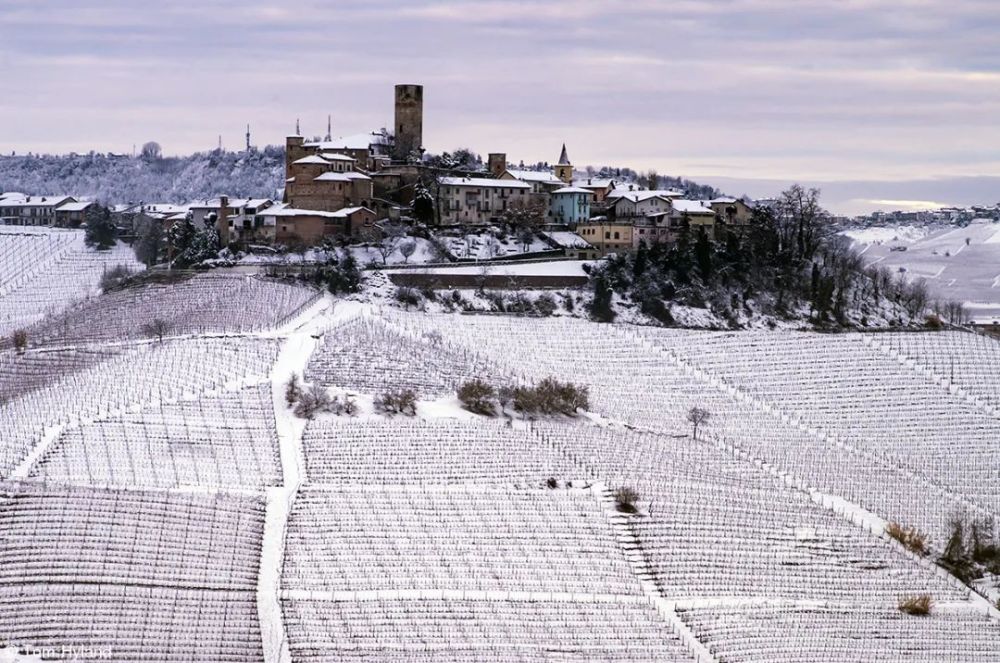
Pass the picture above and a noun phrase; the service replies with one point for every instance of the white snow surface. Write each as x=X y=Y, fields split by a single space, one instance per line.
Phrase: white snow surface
x=958 y=263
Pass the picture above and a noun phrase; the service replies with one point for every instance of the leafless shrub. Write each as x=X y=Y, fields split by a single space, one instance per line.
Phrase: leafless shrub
x=399 y=401
x=157 y=328
x=697 y=416
x=478 y=396
x=910 y=537
x=916 y=605
x=625 y=499
x=20 y=340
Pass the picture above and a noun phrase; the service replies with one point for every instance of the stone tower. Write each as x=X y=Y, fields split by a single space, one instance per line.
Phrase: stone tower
x=409 y=120
x=564 y=169
x=497 y=163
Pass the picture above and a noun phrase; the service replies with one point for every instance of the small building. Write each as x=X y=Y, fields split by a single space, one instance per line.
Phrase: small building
x=479 y=201
x=572 y=244
x=694 y=214
x=638 y=204
x=72 y=215
x=290 y=225
x=597 y=186
x=22 y=210
x=607 y=236
x=570 y=205
x=731 y=212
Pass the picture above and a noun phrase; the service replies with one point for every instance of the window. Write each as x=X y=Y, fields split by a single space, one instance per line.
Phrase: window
x=607 y=234
x=616 y=235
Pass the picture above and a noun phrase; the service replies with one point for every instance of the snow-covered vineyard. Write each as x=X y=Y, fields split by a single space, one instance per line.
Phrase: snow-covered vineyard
x=160 y=500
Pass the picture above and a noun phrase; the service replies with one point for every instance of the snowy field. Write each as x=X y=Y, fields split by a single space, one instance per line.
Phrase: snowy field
x=961 y=264
x=45 y=270
x=160 y=500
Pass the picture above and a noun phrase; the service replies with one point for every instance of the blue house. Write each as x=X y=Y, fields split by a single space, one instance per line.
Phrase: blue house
x=570 y=205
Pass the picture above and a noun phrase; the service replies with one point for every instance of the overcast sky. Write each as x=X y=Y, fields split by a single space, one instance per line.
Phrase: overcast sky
x=759 y=92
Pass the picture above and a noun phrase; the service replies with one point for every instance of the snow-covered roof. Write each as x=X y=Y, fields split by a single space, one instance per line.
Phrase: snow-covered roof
x=567 y=239
x=593 y=183
x=573 y=189
x=643 y=194
x=215 y=203
x=722 y=200
x=74 y=207
x=543 y=176
x=164 y=208
x=691 y=207
x=285 y=211
x=311 y=159
x=355 y=142
x=638 y=196
x=341 y=177
x=37 y=201
x=347 y=211
x=335 y=156
x=483 y=182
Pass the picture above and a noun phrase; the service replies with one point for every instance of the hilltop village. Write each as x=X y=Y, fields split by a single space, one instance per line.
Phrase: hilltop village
x=362 y=188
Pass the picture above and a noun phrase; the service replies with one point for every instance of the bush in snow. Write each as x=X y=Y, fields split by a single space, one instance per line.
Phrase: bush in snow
x=293 y=390
x=916 y=605
x=399 y=401
x=20 y=340
x=478 y=396
x=551 y=397
x=312 y=401
x=546 y=304
x=910 y=537
x=407 y=296
x=625 y=499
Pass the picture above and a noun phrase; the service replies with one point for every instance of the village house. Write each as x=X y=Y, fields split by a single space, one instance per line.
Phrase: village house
x=72 y=214
x=288 y=225
x=479 y=200
x=17 y=209
x=569 y=205
x=731 y=212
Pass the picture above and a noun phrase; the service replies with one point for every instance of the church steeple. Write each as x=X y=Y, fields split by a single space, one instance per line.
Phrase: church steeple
x=564 y=169
x=329 y=129
x=564 y=157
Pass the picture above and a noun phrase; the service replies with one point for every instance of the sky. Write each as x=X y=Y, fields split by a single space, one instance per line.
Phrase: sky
x=882 y=103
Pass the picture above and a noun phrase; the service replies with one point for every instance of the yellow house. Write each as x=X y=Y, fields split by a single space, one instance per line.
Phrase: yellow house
x=607 y=236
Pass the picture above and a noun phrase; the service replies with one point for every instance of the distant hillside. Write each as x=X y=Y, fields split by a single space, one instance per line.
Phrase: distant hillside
x=116 y=179
x=260 y=173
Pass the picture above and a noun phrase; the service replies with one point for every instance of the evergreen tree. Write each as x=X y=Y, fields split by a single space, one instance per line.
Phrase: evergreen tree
x=101 y=231
x=423 y=205
x=600 y=308
x=703 y=255
x=149 y=246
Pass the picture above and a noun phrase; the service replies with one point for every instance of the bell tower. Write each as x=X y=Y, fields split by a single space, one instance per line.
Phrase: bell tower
x=564 y=169
x=409 y=126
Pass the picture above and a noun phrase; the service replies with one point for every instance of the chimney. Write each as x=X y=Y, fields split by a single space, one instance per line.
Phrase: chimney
x=222 y=220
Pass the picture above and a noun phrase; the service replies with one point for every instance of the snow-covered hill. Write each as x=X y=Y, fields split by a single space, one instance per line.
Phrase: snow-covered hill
x=958 y=263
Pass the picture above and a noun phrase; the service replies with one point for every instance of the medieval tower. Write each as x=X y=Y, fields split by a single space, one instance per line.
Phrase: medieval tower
x=409 y=120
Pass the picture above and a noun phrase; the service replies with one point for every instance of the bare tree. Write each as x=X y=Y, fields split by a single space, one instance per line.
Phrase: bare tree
x=151 y=151
x=697 y=416
x=408 y=248
x=492 y=246
x=525 y=219
x=392 y=235
x=158 y=327
x=20 y=340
